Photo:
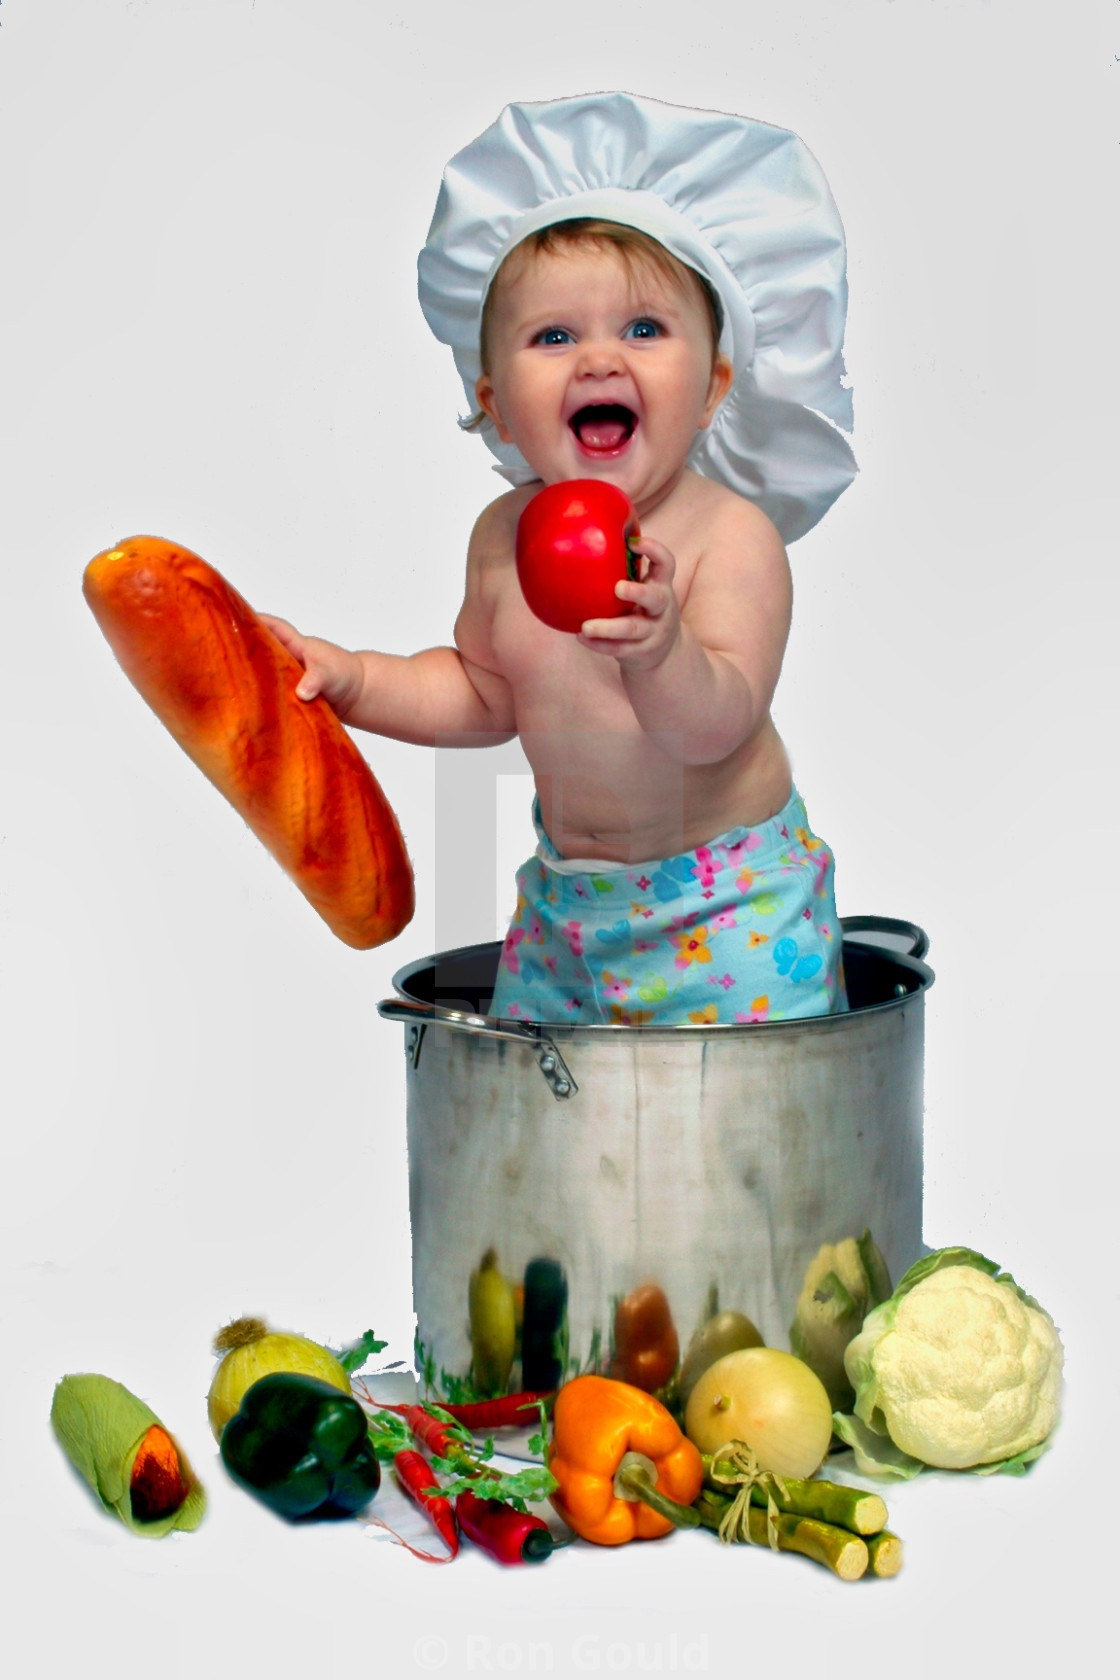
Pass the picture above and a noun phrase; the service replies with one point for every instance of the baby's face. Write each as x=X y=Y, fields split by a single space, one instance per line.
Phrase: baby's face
x=601 y=371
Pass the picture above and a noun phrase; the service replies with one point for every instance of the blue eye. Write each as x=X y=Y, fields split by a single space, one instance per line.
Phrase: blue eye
x=644 y=328
x=553 y=335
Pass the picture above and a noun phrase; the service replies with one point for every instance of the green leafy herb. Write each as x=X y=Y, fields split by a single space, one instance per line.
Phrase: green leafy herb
x=457 y=1391
x=538 y=1442
x=353 y=1358
x=389 y=1435
x=515 y=1487
x=425 y=1365
x=592 y=1362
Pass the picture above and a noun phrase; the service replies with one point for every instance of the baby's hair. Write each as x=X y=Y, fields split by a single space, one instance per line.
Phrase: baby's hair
x=635 y=249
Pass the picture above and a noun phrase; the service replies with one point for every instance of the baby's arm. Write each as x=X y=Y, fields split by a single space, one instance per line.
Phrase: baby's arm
x=705 y=676
x=423 y=698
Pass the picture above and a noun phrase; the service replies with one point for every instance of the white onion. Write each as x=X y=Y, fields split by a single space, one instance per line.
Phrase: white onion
x=767 y=1399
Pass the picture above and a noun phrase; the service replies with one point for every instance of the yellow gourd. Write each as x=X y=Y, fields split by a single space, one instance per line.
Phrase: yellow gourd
x=251 y=1351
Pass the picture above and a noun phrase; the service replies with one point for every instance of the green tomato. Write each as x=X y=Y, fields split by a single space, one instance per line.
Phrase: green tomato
x=727 y=1332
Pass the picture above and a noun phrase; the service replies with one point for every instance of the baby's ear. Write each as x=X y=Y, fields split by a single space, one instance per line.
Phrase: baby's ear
x=488 y=403
x=722 y=376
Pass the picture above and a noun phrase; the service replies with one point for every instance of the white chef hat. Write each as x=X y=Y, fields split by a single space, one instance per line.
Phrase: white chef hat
x=741 y=202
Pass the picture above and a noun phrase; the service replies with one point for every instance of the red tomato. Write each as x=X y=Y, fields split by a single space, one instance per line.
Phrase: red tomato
x=572 y=548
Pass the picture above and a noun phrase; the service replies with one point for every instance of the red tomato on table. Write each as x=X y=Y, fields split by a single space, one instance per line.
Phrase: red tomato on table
x=573 y=546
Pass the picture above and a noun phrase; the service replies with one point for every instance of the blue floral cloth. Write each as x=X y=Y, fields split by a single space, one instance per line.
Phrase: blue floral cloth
x=742 y=929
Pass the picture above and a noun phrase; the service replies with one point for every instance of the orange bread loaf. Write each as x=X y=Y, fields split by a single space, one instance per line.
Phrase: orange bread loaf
x=224 y=687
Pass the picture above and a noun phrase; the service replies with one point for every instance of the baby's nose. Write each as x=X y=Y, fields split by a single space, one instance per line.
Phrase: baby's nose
x=599 y=358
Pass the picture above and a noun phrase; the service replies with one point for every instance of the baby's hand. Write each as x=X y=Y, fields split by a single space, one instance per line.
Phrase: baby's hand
x=331 y=671
x=640 y=639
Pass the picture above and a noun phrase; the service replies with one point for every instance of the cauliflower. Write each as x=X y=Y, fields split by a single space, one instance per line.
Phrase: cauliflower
x=959 y=1370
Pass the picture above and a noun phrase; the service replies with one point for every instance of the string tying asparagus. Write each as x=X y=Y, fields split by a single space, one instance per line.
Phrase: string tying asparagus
x=736 y=1466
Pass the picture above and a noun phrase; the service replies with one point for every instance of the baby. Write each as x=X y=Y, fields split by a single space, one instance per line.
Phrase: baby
x=676 y=879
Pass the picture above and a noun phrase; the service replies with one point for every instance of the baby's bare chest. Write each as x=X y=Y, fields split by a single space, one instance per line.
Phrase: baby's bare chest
x=556 y=683
x=580 y=735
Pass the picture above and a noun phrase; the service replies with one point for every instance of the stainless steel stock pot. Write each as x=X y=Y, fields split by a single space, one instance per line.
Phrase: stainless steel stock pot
x=711 y=1160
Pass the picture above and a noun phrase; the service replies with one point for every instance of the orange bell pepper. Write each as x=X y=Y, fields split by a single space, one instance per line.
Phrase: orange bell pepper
x=623 y=1468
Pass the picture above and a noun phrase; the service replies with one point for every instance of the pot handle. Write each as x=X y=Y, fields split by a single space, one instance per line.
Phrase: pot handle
x=419 y=1015
x=891 y=931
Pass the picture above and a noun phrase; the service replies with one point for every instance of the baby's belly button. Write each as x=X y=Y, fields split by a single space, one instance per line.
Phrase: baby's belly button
x=608 y=844
x=595 y=846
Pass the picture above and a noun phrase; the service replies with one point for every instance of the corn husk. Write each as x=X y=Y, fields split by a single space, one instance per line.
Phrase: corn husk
x=100 y=1425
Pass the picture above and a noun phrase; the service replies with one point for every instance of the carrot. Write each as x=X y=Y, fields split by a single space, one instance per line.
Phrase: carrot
x=441 y=1435
x=417 y=1478
x=157 y=1485
x=434 y=1428
x=433 y=1432
x=456 y=1455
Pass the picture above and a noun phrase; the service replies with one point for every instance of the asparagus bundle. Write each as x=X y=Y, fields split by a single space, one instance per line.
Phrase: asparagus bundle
x=842 y=1527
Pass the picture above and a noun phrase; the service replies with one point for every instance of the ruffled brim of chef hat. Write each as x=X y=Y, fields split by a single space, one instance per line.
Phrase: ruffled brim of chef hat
x=743 y=203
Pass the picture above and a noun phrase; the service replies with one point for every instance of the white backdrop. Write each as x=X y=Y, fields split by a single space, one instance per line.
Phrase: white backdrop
x=210 y=212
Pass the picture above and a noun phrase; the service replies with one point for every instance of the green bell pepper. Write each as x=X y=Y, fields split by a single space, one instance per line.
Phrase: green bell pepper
x=302 y=1447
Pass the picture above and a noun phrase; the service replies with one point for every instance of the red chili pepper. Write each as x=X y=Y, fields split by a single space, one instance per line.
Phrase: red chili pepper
x=416 y=1476
x=509 y=1409
x=503 y=1532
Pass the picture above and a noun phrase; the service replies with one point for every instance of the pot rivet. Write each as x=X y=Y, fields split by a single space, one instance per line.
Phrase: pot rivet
x=548 y=1064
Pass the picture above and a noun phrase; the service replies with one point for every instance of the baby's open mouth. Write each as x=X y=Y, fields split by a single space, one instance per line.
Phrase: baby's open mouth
x=603 y=427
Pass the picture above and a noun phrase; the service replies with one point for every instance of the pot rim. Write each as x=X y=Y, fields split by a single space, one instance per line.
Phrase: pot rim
x=922 y=977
